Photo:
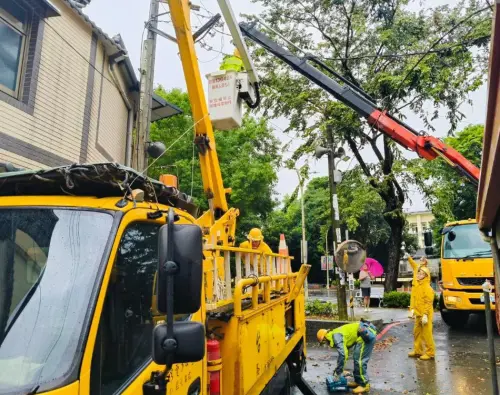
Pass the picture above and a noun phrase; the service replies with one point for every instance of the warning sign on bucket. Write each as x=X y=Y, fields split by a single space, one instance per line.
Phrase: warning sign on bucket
x=224 y=105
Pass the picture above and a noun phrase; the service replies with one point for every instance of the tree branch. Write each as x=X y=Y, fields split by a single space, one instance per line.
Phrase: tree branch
x=362 y=163
x=389 y=157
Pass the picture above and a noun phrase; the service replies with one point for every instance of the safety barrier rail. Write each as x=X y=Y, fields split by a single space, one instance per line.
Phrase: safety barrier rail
x=239 y=291
x=249 y=265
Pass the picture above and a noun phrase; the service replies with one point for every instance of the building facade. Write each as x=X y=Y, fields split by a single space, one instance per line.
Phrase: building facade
x=419 y=222
x=68 y=91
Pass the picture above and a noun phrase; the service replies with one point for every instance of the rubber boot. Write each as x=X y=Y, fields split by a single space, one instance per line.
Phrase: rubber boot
x=413 y=354
x=352 y=384
x=426 y=357
x=361 y=390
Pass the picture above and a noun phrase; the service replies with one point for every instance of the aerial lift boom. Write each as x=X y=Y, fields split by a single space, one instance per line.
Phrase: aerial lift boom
x=425 y=146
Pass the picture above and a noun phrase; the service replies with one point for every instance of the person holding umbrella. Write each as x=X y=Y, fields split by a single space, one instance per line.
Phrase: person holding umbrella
x=365 y=278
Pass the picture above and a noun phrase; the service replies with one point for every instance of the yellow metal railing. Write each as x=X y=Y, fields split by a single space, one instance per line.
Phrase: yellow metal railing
x=239 y=293
x=253 y=267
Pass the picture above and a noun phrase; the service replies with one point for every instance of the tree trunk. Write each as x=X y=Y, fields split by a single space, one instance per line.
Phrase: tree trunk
x=394 y=253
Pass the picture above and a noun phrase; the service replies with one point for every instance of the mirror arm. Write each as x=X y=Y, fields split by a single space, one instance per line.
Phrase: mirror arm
x=170 y=268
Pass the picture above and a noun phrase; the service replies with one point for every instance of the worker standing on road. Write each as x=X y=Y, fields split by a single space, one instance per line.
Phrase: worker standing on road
x=256 y=242
x=415 y=266
x=424 y=348
x=233 y=62
x=360 y=335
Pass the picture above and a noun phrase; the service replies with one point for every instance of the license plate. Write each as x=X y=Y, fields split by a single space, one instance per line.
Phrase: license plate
x=492 y=298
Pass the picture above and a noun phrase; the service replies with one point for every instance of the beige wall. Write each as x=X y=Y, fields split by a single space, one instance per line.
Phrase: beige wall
x=418 y=222
x=57 y=122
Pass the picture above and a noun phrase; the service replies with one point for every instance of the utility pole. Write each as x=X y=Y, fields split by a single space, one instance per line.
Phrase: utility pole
x=337 y=237
x=327 y=262
x=140 y=156
x=303 y=258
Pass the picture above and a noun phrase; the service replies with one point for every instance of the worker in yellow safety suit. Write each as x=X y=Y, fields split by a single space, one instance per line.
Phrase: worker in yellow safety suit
x=256 y=242
x=424 y=348
x=415 y=266
x=232 y=62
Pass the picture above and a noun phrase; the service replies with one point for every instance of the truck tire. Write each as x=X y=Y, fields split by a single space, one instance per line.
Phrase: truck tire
x=454 y=319
x=287 y=389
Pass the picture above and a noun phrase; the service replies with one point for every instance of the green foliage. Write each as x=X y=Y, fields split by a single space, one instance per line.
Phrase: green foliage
x=396 y=299
x=249 y=158
x=377 y=45
x=357 y=283
x=320 y=308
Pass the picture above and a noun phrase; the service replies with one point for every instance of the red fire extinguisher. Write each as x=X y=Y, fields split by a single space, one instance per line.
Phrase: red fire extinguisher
x=214 y=365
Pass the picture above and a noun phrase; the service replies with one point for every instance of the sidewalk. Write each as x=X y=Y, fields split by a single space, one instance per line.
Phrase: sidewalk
x=382 y=313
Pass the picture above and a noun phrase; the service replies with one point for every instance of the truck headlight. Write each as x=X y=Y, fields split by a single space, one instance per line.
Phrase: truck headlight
x=452 y=299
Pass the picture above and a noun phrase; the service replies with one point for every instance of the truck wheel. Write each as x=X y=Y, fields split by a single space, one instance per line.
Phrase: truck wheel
x=287 y=389
x=454 y=319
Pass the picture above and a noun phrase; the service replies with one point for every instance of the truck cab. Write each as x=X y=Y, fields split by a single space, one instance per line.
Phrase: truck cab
x=466 y=261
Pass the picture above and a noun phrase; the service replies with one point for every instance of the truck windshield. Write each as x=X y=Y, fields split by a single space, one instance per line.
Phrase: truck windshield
x=468 y=243
x=49 y=260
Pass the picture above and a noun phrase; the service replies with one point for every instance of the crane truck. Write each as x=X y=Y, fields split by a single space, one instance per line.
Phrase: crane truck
x=466 y=259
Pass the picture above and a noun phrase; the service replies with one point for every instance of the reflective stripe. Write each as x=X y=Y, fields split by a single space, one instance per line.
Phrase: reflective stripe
x=360 y=361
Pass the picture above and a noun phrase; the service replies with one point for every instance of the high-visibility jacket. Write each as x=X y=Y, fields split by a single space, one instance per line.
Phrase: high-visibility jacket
x=232 y=63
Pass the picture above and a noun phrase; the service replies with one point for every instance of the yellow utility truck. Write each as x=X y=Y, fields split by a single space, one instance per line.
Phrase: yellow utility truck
x=111 y=283
x=466 y=261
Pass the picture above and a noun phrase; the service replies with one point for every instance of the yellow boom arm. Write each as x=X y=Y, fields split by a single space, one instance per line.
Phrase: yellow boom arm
x=205 y=140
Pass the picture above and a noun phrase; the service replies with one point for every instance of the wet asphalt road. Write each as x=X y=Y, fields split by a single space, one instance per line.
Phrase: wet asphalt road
x=461 y=366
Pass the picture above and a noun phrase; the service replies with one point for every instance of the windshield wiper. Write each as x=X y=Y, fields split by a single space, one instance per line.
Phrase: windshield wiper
x=476 y=254
x=22 y=304
x=33 y=391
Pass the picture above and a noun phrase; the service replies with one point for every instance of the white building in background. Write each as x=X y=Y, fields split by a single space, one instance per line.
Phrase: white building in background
x=419 y=221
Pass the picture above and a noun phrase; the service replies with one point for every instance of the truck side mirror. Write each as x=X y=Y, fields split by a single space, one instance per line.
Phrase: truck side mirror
x=428 y=238
x=189 y=346
x=452 y=235
x=180 y=271
x=186 y=247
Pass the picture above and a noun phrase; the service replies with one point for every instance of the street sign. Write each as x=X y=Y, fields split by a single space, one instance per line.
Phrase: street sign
x=330 y=262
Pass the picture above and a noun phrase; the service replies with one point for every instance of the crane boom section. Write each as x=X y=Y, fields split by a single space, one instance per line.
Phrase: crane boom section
x=205 y=140
x=427 y=147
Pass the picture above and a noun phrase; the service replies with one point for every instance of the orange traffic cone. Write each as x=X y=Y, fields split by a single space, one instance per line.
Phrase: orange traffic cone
x=283 y=250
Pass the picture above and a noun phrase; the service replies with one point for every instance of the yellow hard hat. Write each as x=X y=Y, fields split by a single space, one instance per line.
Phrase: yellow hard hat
x=237 y=53
x=321 y=334
x=426 y=270
x=255 y=235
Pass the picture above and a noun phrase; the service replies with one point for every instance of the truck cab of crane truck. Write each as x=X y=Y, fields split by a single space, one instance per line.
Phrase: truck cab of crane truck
x=466 y=261
x=76 y=314
x=82 y=295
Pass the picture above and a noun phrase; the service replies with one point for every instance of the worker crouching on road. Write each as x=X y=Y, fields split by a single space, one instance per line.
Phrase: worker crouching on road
x=360 y=335
x=415 y=267
x=256 y=242
x=424 y=348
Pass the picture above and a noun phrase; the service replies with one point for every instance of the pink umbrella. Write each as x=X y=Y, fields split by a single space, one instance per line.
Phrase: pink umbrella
x=374 y=267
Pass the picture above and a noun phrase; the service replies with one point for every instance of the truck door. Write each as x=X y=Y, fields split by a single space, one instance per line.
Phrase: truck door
x=121 y=357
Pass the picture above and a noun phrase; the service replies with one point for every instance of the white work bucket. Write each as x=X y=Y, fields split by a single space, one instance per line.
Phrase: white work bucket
x=224 y=104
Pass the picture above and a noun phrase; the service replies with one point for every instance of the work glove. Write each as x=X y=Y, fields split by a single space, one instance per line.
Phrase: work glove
x=425 y=319
x=411 y=313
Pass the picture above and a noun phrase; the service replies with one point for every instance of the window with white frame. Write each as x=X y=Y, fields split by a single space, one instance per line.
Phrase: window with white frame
x=14 y=32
